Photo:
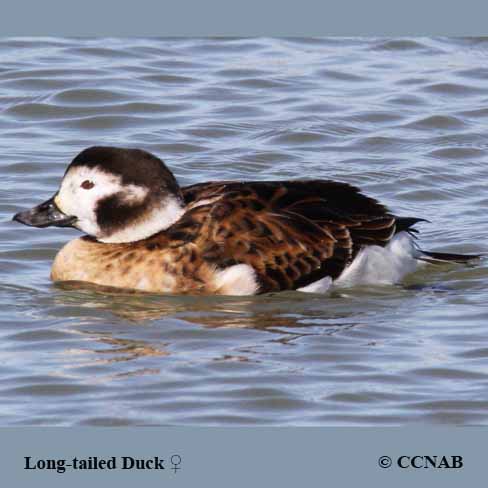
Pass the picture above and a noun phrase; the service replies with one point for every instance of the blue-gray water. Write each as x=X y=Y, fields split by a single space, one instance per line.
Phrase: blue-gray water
x=405 y=119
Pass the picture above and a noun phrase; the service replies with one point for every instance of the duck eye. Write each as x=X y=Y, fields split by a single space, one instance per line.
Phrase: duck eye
x=87 y=185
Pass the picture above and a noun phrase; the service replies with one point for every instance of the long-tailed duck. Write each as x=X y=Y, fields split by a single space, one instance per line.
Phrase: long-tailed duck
x=145 y=232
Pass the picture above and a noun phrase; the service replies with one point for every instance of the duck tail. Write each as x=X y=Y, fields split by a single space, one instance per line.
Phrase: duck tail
x=444 y=257
x=407 y=223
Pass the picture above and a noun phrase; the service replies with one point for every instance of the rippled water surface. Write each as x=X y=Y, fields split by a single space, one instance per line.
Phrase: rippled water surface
x=405 y=119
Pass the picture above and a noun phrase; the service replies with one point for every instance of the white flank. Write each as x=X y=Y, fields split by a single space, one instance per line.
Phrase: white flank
x=320 y=286
x=239 y=279
x=375 y=265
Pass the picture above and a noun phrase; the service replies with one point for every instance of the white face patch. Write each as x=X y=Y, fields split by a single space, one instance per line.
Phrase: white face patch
x=73 y=199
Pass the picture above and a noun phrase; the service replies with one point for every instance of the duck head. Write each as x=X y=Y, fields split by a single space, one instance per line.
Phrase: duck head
x=112 y=194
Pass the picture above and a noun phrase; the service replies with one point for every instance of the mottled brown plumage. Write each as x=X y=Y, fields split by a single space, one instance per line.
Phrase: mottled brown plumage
x=291 y=233
x=146 y=233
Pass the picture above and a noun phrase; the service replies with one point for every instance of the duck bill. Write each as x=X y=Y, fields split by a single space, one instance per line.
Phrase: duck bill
x=44 y=215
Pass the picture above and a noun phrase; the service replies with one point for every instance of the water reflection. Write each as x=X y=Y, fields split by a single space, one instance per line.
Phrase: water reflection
x=260 y=312
x=382 y=114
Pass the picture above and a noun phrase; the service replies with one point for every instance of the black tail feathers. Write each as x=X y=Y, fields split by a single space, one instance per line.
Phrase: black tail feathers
x=405 y=224
x=442 y=257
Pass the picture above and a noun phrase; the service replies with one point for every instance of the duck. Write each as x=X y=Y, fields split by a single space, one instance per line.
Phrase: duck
x=145 y=232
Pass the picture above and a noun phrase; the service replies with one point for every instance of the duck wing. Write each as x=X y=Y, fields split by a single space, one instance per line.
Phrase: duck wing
x=292 y=233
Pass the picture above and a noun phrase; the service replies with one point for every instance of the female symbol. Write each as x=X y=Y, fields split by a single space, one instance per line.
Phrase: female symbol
x=175 y=461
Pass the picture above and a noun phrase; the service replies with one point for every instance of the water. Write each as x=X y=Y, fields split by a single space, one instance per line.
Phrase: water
x=405 y=119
